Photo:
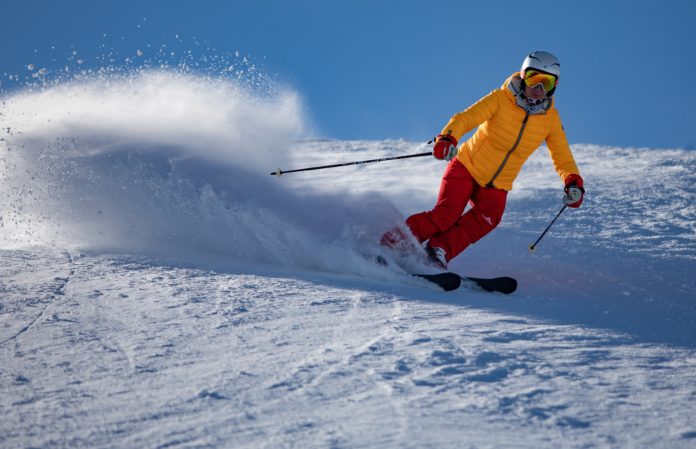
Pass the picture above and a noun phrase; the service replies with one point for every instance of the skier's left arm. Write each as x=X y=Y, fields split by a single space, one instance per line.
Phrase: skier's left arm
x=564 y=162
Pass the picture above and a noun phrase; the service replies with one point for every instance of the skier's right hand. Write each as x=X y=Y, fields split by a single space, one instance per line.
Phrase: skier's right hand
x=445 y=147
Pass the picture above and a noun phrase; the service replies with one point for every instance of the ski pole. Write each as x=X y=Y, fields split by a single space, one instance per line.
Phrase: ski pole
x=280 y=172
x=532 y=247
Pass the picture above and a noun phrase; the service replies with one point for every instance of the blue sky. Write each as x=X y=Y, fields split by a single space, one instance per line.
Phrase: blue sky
x=399 y=69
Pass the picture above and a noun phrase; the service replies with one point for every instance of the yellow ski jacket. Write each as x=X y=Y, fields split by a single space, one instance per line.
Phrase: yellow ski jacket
x=509 y=131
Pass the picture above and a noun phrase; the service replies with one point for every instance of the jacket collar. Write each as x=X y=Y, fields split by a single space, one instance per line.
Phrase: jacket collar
x=513 y=86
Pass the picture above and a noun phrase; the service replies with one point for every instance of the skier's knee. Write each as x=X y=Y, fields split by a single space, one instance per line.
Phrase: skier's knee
x=489 y=219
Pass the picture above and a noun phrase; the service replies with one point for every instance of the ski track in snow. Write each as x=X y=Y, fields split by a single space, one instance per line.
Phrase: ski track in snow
x=55 y=288
x=157 y=293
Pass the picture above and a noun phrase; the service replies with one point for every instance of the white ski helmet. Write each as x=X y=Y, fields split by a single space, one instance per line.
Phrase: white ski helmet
x=542 y=61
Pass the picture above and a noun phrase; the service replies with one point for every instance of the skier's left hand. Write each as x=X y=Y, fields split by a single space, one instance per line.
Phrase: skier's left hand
x=574 y=191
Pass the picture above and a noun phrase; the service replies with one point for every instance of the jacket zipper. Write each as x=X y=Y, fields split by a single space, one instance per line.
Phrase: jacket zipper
x=507 y=156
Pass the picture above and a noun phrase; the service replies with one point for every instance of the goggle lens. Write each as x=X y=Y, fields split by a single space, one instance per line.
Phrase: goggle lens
x=533 y=78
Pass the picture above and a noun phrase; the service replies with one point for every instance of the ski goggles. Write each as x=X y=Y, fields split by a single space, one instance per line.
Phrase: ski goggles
x=532 y=78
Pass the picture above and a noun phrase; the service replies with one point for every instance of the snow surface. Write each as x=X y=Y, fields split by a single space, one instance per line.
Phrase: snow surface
x=159 y=289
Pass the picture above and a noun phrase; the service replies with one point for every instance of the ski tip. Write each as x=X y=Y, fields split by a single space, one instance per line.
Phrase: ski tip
x=503 y=284
x=510 y=285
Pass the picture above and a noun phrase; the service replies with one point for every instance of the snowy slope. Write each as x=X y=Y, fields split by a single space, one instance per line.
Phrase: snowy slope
x=159 y=289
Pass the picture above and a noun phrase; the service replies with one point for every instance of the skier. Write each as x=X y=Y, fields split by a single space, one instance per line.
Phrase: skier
x=512 y=122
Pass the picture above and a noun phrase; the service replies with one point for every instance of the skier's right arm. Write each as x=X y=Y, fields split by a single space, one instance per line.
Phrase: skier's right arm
x=463 y=122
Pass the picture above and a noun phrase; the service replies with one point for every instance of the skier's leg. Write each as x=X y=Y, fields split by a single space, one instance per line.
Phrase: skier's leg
x=455 y=190
x=482 y=218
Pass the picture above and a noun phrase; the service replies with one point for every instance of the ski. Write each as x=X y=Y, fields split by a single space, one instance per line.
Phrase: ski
x=446 y=281
x=503 y=284
x=449 y=281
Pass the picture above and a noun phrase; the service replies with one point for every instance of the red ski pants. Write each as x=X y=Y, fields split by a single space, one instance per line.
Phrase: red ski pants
x=445 y=227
